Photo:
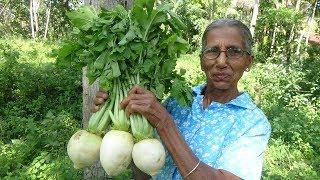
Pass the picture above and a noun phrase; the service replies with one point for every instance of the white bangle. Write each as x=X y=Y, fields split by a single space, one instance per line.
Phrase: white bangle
x=192 y=170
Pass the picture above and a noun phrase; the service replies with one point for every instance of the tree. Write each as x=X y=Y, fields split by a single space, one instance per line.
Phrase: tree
x=307 y=29
x=32 y=19
x=48 y=11
x=254 y=17
x=33 y=10
x=234 y=3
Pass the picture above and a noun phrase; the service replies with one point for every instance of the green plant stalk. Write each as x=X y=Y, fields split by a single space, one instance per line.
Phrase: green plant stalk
x=100 y=120
x=105 y=120
x=140 y=127
x=118 y=117
x=95 y=119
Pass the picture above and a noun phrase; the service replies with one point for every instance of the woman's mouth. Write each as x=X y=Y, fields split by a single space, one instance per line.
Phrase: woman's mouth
x=220 y=77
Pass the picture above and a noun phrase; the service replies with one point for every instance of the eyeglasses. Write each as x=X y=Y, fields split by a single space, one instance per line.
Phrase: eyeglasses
x=231 y=53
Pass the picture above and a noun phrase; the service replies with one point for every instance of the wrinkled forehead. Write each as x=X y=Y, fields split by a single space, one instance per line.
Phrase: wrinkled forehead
x=224 y=37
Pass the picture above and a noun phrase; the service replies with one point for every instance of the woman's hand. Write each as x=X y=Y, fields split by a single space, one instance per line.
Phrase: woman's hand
x=100 y=98
x=144 y=102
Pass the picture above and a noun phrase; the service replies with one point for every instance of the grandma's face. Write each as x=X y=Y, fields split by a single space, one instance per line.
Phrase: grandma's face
x=224 y=59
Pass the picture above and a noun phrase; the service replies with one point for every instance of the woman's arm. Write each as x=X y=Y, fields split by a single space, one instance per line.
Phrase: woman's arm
x=144 y=102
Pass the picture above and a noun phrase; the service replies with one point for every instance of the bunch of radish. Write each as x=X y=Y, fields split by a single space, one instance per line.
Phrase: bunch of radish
x=123 y=48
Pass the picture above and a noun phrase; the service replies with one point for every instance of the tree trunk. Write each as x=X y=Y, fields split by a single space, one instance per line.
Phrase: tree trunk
x=289 y=48
x=36 y=5
x=293 y=26
x=298 y=5
x=254 y=17
x=4 y=8
x=31 y=18
x=273 y=41
x=311 y=20
x=305 y=31
x=234 y=3
x=299 y=43
x=47 y=19
x=95 y=172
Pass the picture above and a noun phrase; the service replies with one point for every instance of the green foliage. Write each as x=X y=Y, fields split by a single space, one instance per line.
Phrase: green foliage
x=291 y=109
x=83 y=17
x=191 y=63
x=144 y=43
x=194 y=16
x=31 y=83
x=41 y=102
x=15 y=18
x=37 y=149
x=284 y=161
x=277 y=27
x=309 y=66
x=40 y=110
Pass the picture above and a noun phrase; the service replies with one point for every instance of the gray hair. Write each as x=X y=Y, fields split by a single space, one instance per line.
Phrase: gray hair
x=246 y=34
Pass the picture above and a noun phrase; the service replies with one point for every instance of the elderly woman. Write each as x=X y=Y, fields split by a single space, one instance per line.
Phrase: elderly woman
x=223 y=134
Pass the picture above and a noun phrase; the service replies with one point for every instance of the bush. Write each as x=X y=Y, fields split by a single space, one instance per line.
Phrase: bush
x=40 y=110
x=280 y=91
x=40 y=148
x=30 y=89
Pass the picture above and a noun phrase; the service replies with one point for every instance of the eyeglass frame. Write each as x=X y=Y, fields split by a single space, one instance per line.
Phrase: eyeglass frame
x=243 y=52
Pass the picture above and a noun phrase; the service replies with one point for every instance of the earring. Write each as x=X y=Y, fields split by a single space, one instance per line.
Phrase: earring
x=247 y=69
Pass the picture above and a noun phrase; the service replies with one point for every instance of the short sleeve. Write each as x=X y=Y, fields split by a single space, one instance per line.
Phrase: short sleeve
x=168 y=104
x=244 y=156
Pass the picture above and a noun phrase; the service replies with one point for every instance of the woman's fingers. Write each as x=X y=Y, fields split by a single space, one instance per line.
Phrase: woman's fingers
x=95 y=108
x=100 y=98
x=98 y=101
x=136 y=89
x=102 y=94
x=135 y=106
x=144 y=97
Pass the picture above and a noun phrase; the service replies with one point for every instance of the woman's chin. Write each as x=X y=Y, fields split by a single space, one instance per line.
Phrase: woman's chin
x=221 y=85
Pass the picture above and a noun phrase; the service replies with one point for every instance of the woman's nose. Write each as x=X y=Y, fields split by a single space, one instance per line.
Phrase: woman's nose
x=221 y=60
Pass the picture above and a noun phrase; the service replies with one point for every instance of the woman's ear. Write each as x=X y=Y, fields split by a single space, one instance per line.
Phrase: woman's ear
x=250 y=63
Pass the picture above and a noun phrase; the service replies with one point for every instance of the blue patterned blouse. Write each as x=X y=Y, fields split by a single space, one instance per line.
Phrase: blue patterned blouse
x=231 y=136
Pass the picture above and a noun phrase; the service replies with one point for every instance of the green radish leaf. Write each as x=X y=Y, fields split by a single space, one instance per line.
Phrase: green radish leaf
x=128 y=37
x=175 y=22
x=101 y=46
x=145 y=41
x=68 y=48
x=115 y=69
x=119 y=27
x=160 y=91
x=140 y=16
x=82 y=17
x=100 y=61
x=147 y=65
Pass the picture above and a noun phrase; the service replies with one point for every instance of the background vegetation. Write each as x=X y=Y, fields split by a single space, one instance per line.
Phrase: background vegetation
x=40 y=101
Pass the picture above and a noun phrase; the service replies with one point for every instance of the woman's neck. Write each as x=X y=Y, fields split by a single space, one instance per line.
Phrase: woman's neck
x=218 y=95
